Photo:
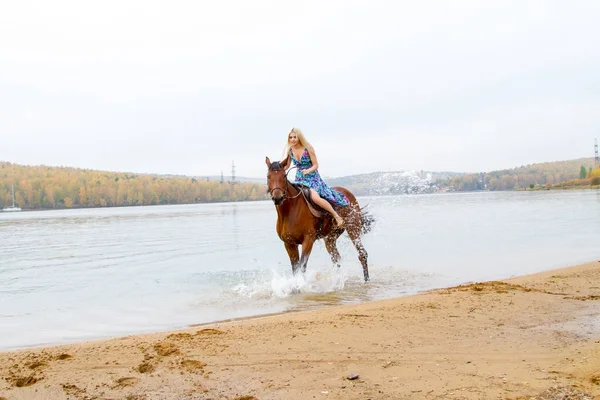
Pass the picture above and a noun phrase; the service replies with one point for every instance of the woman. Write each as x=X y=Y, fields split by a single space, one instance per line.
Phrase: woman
x=303 y=155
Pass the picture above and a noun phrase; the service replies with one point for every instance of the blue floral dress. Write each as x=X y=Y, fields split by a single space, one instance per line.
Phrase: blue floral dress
x=314 y=181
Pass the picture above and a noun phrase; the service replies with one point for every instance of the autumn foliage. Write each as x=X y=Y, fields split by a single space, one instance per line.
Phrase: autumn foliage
x=595 y=177
x=547 y=175
x=43 y=187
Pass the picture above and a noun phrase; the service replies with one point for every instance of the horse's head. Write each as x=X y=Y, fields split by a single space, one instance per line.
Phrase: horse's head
x=277 y=181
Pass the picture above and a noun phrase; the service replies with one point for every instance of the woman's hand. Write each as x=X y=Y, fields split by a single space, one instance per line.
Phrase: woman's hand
x=306 y=171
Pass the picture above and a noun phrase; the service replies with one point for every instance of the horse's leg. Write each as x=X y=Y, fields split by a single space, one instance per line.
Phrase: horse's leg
x=330 y=245
x=362 y=253
x=292 y=250
x=307 y=246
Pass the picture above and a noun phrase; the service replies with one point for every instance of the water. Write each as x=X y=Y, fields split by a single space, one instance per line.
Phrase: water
x=71 y=275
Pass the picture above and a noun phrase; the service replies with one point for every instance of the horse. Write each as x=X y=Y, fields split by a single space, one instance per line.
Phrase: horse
x=296 y=224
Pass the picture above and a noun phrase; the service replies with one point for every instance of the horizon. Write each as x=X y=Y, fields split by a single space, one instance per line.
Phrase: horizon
x=225 y=176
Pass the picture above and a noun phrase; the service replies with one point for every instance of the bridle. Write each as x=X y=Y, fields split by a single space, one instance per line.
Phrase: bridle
x=284 y=190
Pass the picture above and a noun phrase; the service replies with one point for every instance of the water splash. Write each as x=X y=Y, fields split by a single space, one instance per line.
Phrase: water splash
x=280 y=285
x=309 y=282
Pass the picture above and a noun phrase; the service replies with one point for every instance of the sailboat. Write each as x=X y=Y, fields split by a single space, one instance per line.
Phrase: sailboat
x=13 y=208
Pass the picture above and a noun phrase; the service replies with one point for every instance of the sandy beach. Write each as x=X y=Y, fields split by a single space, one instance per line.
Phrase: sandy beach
x=532 y=337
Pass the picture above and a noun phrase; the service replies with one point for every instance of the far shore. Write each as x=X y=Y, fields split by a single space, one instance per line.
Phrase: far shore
x=531 y=337
x=536 y=189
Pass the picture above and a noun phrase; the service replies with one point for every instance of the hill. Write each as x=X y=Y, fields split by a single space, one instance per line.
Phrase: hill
x=44 y=187
x=539 y=174
x=416 y=182
x=394 y=183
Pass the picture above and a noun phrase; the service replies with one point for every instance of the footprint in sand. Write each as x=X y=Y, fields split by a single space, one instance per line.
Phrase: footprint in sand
x=22 y=381
x=64 y=356
x=146 y=367
x=73 y=390
x=165 y=349
x=193 y=365
x=36 y=365
x=127 y=381
x=209 y=331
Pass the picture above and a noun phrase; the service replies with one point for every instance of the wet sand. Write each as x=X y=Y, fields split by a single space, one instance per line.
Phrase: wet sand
x=533 y=337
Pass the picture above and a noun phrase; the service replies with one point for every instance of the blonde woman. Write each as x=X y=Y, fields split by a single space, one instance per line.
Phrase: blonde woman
x=303 y=155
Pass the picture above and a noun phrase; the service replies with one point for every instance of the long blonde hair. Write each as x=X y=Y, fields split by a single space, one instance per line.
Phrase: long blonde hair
x=301 y=140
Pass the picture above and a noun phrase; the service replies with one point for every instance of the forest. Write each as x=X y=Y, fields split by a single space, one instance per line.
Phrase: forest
x=578 y=172
x=44 y=187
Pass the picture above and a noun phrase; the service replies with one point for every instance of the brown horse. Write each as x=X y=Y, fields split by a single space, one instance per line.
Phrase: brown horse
x=296 y=225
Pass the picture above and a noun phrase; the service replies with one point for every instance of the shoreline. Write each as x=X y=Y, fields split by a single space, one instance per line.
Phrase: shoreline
x=152 y=332
x=518 y=338
x=575 y=188
x=33 y=347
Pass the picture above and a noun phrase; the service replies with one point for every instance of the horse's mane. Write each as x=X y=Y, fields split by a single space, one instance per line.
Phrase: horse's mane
x=275 y=166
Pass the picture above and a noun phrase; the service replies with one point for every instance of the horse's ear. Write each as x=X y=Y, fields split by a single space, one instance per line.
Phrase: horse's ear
x=284 y=163
x=268 y=161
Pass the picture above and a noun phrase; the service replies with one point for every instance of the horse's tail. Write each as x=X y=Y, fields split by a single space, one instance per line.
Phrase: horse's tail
x=368 y=220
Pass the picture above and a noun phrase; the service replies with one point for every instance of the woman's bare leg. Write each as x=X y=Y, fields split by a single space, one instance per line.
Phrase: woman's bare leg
x=324 y=204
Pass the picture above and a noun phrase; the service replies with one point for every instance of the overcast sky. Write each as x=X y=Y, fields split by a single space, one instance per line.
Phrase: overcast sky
x=188 y=87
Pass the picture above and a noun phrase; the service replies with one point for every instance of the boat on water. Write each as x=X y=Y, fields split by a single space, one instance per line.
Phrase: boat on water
x=13 y=208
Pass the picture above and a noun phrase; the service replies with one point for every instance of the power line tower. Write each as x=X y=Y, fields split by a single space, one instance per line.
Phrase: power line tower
x=222 y=178
x=233 y=173
x=596 y=158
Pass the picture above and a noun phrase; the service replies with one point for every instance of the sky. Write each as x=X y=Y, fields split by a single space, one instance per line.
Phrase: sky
x=190 y=87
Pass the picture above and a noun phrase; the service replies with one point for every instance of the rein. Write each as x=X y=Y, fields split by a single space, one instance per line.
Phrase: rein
x=284 y=190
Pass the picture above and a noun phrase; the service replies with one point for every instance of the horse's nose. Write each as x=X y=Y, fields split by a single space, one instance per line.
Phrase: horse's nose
x=277 y=196
x=277 y=199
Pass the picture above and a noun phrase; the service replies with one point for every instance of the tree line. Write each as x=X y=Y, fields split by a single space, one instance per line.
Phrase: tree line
x=577 y=172
x=44 y=187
